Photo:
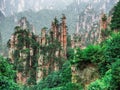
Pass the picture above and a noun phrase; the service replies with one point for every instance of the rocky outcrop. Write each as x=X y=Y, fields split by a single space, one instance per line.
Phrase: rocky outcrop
x=33 y=56
x=87 y=28
x=84 y=73
x=22 y=54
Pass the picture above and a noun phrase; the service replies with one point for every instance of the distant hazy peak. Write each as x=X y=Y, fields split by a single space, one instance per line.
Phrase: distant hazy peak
x=14 y=6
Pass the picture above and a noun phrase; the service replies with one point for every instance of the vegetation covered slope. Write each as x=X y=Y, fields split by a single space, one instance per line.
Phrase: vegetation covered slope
x=106 y=56
x=7 y=75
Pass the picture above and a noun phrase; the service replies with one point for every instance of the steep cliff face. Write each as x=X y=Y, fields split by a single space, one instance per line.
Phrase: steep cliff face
x=23 y=53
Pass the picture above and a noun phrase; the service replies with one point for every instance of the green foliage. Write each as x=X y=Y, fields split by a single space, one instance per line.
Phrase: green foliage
x=56 y=22
x=26 y=40
x=44 y=28
x=56 y=79
x=70 y=53
x=50 y=81
x=111 y=52
x=68 y=41
x=94 y=53
x=25 y=50
x=26 y=87
x=105 y=33
x=67 y=86
x=113 y=48
x=17 y=28
x=102 y=83
x=104 y=18
x=71 y=86
x=105 y=56
x=110 y=81
x=7 y=75
x=115 y=82
x=111 y=64
x=66 y=72
x=77 y=56
x=115 y=22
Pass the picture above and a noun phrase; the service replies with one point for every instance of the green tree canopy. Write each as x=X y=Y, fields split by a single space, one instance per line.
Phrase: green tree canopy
x=115 y=22
x=7 y=75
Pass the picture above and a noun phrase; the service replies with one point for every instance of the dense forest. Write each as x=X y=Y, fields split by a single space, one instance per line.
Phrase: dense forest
x=61 y=67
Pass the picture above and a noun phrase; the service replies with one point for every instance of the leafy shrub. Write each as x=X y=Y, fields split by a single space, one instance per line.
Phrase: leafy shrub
x=70 y=53
x=110 y=81
x=115 y=24
x=103 y=83
x=72 y=86
x=113 y=48
x=94 y=53
x=111 y=52
x=68 y=86
x=115 y=82
x=7 y=75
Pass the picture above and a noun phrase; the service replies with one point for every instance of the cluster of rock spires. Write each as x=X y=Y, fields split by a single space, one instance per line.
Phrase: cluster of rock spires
x=89 y=23
x=34 y=56
x=89 y=27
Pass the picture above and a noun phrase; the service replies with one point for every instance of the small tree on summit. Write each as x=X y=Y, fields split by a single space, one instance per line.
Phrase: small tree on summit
x=115 y=22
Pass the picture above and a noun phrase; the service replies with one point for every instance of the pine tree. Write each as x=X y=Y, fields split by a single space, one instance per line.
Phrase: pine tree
x=115 y=22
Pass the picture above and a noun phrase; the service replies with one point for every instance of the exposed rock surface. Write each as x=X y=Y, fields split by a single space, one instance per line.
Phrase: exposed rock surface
x=84 y=73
